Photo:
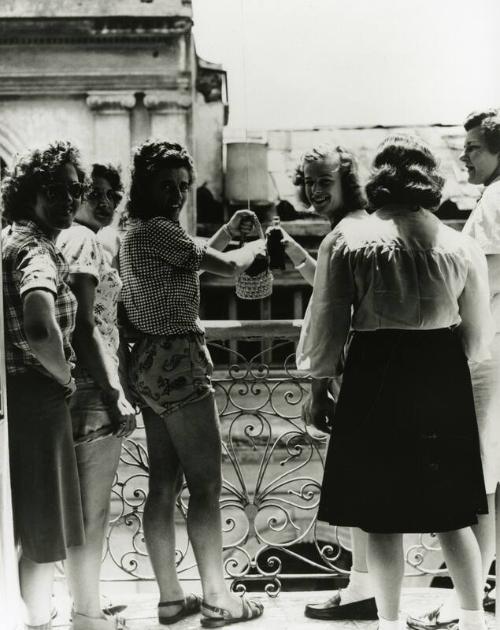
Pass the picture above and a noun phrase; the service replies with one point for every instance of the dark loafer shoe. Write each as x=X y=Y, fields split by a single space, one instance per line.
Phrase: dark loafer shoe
x=431 y=621
x=364 y=609
x=489 y=603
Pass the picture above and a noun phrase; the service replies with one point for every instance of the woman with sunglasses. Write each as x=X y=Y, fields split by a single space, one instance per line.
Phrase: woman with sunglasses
x=100 y=412
x=40 y=197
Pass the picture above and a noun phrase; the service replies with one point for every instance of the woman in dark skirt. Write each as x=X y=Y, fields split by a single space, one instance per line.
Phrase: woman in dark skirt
x=41 y=196
x=404 y=455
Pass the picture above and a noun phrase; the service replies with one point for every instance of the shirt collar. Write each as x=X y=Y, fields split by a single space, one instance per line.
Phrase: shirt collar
x=28 y=226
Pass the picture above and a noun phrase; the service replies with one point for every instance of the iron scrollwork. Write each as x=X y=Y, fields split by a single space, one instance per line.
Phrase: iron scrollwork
x=272 y=469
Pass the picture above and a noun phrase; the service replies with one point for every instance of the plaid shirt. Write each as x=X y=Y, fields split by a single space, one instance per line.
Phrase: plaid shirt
x=30 y=261
x=159 y=262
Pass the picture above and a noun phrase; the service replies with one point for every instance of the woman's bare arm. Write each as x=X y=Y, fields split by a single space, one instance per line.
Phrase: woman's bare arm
x=43 y=334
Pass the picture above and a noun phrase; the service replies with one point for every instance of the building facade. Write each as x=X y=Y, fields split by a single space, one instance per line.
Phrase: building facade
x=106 y=75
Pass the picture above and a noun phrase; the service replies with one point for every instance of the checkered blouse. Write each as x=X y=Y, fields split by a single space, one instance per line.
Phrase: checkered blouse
x=159 y=262
x=31 y=261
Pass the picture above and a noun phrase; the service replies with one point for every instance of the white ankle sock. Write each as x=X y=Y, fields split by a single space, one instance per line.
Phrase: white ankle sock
x=385 y=624
x=471 y=620
x=450 y=608
x=359 y=587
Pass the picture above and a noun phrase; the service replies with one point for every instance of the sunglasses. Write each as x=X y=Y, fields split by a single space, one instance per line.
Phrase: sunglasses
x=94 y=194
x=58 y=190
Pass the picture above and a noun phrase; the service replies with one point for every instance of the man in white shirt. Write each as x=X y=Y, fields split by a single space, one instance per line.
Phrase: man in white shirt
x=481 y=156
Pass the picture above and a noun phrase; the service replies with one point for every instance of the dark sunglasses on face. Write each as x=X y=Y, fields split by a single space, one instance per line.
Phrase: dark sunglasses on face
x=94 y=194
x=58 y=190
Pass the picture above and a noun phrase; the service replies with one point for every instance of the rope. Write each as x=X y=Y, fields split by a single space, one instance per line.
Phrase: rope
x=245 y=110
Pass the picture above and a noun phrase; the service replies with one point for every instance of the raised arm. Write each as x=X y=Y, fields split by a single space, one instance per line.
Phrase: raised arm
x=242 y=223
x=233 y=263
x=301 y=259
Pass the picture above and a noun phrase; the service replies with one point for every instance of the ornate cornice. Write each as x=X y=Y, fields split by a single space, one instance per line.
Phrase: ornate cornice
x=167 y=102
x=111 y=102
x=118 y=30
x=80 y=84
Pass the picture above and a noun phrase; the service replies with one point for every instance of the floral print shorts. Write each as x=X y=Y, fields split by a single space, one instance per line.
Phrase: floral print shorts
x=170 y=372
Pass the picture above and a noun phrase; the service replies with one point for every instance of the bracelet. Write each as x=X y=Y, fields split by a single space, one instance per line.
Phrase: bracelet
x=226 y=229
x=69 y=381
x=301 y=264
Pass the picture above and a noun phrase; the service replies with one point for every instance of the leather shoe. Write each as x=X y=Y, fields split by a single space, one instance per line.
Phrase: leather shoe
x=489 y=603
x=364 y=609
x=431 y=621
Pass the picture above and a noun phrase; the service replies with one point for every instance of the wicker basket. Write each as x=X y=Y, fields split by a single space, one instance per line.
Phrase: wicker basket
x=255 y=287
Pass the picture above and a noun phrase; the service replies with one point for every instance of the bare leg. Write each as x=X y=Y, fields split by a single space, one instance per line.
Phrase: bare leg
x=463 y=559
x=97 y=463
x=165 y=483
x=359 y=549
x=36 y=581
x=386 y=566
x=497 y=539
x=194 y=430
x=484 y=532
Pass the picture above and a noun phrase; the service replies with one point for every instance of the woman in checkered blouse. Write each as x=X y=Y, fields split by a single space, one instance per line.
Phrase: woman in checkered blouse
x=171 y=369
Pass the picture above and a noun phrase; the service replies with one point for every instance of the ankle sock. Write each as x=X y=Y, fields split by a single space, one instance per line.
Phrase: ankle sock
x=359 y=587
x=450 y=609
x=385 y=624
x=471 y=620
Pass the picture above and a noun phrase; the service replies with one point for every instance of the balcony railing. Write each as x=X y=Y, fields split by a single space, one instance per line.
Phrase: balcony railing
x=272 y=467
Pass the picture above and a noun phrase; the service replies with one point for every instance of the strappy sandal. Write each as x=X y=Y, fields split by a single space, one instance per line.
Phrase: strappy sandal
x=252 y=609
x=190 y=606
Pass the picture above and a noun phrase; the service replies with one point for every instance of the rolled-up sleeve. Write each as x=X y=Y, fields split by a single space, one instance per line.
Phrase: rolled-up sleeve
x=328 y=317
x=170 y=242
x=477 y=328
x=484 y=222
x=36 y=269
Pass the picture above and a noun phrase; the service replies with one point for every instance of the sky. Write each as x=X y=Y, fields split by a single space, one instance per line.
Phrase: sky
x=312 y=63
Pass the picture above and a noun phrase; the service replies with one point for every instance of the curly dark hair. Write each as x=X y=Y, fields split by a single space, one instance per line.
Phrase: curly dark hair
x=110 y=173
x=404 y=171
x=33 y=170
x=149 y=158
x=352 y=191
x=488 y=121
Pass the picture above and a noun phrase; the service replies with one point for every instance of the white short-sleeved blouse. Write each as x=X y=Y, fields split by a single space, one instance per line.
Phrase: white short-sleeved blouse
x=394 y=269
x=85 y=254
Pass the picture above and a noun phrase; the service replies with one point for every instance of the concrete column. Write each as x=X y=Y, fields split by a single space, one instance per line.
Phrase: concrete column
x=112 y=136
x=169 y=116
x=170 y=111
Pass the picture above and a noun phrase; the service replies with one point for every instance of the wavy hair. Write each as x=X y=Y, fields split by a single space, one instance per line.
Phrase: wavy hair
x=352 y=191
x=149 y=158
x=405 y=172
x=488 y=121
x=31 y=171
x=110 y=173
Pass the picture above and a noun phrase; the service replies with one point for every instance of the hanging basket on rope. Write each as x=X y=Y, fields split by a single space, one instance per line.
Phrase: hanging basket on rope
x=256 y=282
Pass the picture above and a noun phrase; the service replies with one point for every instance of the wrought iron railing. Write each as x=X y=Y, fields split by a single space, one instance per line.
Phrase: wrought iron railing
x=272 y=467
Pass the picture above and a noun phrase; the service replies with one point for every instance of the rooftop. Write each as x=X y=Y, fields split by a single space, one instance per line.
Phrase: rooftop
x=94 y=8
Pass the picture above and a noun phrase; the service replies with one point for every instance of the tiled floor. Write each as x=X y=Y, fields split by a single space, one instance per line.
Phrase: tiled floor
x=282 y=613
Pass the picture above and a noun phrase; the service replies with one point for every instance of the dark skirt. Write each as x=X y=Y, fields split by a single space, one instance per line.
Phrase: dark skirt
x=46 y=495
x=404 y=452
